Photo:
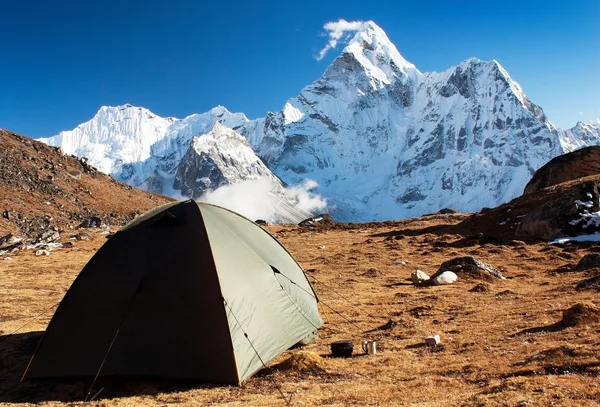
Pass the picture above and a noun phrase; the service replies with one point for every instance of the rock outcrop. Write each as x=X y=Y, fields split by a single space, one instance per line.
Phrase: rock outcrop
x=566 y=167
x=469 y=266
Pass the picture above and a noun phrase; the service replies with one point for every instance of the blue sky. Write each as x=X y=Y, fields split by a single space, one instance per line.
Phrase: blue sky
x=62 y=60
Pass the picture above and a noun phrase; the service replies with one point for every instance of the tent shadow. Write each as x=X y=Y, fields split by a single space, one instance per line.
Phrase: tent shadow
x=15 y=353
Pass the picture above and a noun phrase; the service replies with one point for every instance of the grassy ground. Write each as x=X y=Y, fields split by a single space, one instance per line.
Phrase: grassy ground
x=491 y=353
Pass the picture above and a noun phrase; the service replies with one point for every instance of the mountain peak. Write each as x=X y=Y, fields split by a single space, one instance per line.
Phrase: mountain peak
x=372 y=48
x=120 y=110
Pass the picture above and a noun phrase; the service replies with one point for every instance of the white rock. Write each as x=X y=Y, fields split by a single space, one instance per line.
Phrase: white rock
x=42 y=253
x=418 y=277
x=8 y=258
x=447 y=277
x=432 y=340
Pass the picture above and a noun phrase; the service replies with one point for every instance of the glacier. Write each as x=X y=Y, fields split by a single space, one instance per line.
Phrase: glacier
x=381 y=139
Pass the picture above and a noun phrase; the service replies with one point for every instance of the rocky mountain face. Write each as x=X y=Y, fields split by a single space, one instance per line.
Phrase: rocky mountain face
x=382 y=139
x=219 y=157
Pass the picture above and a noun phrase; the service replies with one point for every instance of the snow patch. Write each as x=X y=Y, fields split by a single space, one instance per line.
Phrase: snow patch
x=292 y=114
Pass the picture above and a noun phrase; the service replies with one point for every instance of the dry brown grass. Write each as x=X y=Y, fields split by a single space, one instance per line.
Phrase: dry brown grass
x=487 y=356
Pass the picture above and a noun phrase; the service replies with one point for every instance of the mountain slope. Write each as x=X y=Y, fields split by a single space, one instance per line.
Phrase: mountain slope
x=381 y=138
x=41 y=186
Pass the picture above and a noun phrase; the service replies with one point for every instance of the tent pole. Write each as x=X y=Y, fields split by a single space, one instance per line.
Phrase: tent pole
x=101 y=365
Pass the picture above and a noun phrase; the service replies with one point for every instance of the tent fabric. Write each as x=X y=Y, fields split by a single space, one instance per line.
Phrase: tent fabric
x=188 y=290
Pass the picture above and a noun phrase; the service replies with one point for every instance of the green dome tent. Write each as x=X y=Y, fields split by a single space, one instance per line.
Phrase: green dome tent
x=188 y=290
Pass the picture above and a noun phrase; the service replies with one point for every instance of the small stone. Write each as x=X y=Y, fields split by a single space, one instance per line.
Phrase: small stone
x=399 y=263
x=372 y=272
x=321 y=247
x=42 y=253
x=8 y=258
x=432 y=340
x=81 y=236
x=446 y=277
x=67 y=245
x=418 y=277
x=480 y=288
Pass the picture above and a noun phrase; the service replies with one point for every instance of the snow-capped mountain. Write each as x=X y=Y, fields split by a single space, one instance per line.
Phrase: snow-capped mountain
x=145 y=150
x=386 y=141
x=220 y=157
x=382 y=139
x=581 y=135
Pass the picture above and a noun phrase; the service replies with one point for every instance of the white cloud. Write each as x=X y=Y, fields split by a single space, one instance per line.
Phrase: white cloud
x=255 y=200
x=336 y=31
x=580 y=113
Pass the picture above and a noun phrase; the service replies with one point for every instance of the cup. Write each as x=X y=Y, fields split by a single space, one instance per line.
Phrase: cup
x=370 y=347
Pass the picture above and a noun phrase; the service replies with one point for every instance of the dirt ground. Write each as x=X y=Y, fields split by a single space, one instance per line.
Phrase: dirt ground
x=500 y=345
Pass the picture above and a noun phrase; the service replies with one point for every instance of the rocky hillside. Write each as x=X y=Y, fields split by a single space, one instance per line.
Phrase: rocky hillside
x=42 y=188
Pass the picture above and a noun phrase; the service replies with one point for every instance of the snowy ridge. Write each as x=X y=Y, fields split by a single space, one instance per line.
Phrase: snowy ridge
x=138 y=147
x=382 y=139
x=581 y=135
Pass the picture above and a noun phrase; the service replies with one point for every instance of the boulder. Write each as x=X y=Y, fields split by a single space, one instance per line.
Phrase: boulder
x=561 y=212
x=321 y=221
x=470 y=267
x=577 y=164
x=92 y=222
x=48 y=236
x=444 y=278
x=42 y=253
x=418 y=277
